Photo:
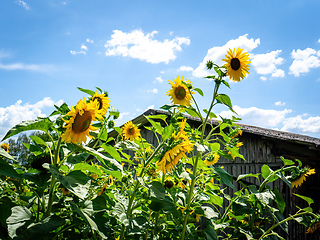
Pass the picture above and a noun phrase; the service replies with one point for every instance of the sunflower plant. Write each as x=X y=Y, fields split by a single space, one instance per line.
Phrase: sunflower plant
x=87 y=182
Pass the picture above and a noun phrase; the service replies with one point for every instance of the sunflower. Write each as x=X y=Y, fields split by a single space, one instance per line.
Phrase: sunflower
x=298 y=181
x=103 y=189
x=212 y=159
x=110 y=180
x=103 y=102
x=237 y=64
x=79 y=125
x=64 y=191
x=5 y=146
x=179 y=93
x=172 y=156
x=130 y=131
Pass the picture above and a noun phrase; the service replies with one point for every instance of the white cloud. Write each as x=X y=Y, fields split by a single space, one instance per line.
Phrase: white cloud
x=122 y=115
x=14 y=114
x=266 y=63
x=277 y=119
x=23 y=4
x=186 y=69
x=259 y=117
x=216 y=54
x=78 y=52
x=299 y=124
x=89 y=40
x=303 y=61
x=83 y=50
x=142 y=46
x=28 y=67
x=278 y=73
x=153 y=90
x=263 y=78
x=84 y=47
x=159 y=79
x=319 y=40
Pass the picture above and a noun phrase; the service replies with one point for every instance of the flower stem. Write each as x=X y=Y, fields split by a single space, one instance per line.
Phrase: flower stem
x=283 y=221
x=195 y=166
x=53 y=180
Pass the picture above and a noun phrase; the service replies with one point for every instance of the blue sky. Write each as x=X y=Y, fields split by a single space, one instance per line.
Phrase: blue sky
x=132 y=48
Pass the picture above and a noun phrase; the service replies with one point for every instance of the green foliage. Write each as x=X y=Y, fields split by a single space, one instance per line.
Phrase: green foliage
x=115 y=188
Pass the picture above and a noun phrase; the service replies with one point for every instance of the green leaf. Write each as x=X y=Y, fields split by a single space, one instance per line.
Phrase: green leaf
x=62 y=110
x=226 y=83
x=167 y=132
x=42 y=124
x=215 y=199
x=158 y=116
x=248 y=234
x=287 y=161
x=299 y=162
x=166 y=204
x=4 y=154
x=38 y=140
x=157 y=190
x=225 y=178
x=20 y=216
x=90 y=92
x=307 y=199
x=248 y=175
x=156 y=125
x=76 y=181
x=127 y=145
x=7 y=170
x=266 y=171
x=279 y=200
x=192 y=112
x=210 y=231
x=137 y=225
x=214 y=146
x=35 y=149
x=104 y=159
x=168 y=107
x=209 y=212
x=211 y=114
x=41 y=230
x=116 y=114
x=111 y=151
x=225 y=99
x=198 y=90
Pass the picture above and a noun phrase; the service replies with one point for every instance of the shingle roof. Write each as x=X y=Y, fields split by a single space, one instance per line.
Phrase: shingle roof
x=269 y=133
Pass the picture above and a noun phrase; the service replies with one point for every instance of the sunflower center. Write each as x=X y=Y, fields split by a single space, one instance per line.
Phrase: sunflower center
x=99 y=102
x=180 y=93
x=131 y=130
x=235 y=64
x=82 y=122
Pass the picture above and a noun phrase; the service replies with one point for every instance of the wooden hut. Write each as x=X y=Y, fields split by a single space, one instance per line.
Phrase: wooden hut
x=265 y=146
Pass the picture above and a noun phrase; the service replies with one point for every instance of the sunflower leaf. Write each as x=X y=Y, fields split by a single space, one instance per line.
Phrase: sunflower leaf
x=308 y=200
x=198 y=90
x=168 y=107
x=42 y=124
x=5 y=154
x=7 y=170
x=90 y=92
